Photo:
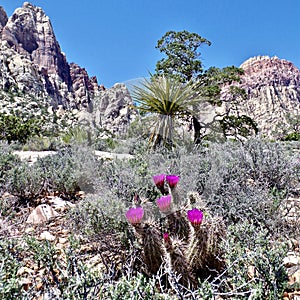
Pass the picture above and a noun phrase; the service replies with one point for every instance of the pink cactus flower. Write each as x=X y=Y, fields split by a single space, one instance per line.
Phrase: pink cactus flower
x=164 y=203
x=195 y=216
x=166 y=236
x=135 y=215
x=159 y=180
x=172 y=180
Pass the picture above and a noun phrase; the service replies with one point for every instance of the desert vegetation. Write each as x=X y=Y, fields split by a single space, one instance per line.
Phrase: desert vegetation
x=220 y=226
x=208 y=212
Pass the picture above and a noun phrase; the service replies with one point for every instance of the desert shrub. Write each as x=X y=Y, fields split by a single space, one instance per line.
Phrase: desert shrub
x=25 y=181
x=255 y=268
x=99 y=213
x=13 y=128
x=61 y=278
x=7 y=161
x=77 y=135
x=66 y=172
x=69 y=170
x=133 y=287
x=43 y=143
x=134 y=176
x=250 y=181
x=126 y=178
x=293 y=136
x=9 y=265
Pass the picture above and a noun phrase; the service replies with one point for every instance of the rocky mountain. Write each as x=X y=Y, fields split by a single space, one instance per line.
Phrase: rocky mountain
x=32 y=64
x=36 y=79
x=273 y=92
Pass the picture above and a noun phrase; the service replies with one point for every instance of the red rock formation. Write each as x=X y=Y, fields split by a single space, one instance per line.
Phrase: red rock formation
x=265 y=71
x=273 y=88
x=32 y=62
x=30 y=29
x=82 y=84
x=29 y=32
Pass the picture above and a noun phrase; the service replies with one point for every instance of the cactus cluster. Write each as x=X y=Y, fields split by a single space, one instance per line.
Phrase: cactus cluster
x=185 y=239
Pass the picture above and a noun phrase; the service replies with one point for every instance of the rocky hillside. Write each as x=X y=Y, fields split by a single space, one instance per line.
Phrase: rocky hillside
x=273 y=92
x=32 y=66
x=37 y=80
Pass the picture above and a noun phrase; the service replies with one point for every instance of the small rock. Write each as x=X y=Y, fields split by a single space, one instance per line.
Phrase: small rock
x=29 y=230
x=25 y=282
x=81 y=194
x=24 y=270
x=251 y=272
x=291 y=260
x=46 y=235
x=295 y=278
x=62 y=240
x=41 y=213
x=60 y=205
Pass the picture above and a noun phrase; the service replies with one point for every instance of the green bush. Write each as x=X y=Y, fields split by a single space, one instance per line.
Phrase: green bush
x=25 y=181
x=43 y=143
x=294 y=136
x=250 y=181
x=7 y=161
x=134 y=288
x=61 y=279
x=9 y=266
x=69 y=170
x=13 y=128
x=66 y=172
x=100 y=213
x=254 y=263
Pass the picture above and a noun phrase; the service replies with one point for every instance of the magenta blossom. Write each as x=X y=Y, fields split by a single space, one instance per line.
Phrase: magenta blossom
x=172 y=180
x=135 y=215
x=166 y=236
x=164 y=203
x=159 y=180
x=195 y=216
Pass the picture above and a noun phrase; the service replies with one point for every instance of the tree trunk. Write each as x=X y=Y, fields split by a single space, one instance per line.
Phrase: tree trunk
x=197 y=128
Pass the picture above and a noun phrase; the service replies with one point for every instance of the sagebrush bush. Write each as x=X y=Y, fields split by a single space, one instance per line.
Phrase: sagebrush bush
x=251 y=181
x=99 y=213
x=66 y=172
x=9 y=265
x=69 y=170
x=25 y=181
x=7 y=161
x=255 y=266
x=68 y=278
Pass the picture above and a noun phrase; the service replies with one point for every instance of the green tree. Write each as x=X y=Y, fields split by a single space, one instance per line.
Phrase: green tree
x=181 y=49
x=13 y=128
x=182 y=62
x=290 y=129
x=230 y=123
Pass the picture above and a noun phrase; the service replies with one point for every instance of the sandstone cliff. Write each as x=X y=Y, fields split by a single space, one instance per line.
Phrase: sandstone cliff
x=32 y=64
x=273 y=90
x=35 y=76
x=272 y=87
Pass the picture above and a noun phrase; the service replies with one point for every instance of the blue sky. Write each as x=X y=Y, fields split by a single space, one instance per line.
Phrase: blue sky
x=115 y=39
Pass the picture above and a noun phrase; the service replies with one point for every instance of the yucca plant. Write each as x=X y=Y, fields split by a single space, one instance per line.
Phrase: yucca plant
x=168 y=99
